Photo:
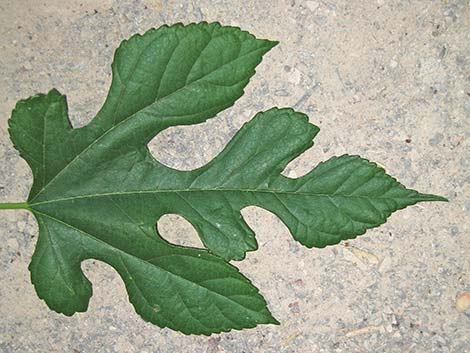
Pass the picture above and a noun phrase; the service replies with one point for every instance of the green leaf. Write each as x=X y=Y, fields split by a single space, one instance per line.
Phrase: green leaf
x=98 y=192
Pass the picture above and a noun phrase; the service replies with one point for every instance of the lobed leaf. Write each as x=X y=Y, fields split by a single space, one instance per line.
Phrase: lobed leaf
x=98 y=192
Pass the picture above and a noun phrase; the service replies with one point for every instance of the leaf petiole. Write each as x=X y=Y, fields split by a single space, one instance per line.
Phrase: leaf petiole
x=14 y=206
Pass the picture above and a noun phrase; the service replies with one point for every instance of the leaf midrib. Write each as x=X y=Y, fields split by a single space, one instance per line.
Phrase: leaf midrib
x=263 y=191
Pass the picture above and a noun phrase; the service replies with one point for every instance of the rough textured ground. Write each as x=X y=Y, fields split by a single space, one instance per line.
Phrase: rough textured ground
x=389 y=80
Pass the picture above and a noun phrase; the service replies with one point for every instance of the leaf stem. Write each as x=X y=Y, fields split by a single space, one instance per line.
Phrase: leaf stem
x=14 y=206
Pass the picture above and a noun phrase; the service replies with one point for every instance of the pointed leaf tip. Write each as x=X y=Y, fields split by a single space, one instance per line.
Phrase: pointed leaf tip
x=431 y=197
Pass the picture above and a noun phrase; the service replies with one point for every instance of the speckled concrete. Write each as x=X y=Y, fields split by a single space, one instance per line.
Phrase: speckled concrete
x=389 y=80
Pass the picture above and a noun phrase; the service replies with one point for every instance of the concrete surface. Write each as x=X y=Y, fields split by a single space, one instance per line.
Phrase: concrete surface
x=389 y=80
